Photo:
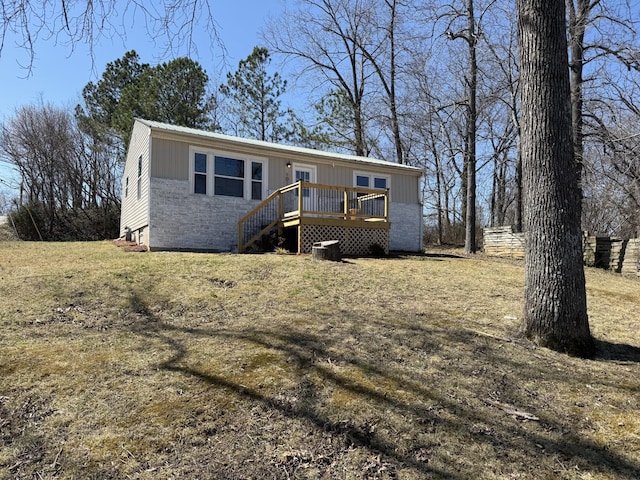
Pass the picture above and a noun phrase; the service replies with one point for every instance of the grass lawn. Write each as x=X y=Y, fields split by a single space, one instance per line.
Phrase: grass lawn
x=177 y=365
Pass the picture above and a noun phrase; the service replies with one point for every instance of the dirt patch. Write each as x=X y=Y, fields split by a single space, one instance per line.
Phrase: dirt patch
x=130 y=246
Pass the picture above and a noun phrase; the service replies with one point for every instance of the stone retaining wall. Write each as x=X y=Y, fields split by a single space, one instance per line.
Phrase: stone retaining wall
x=616 y=254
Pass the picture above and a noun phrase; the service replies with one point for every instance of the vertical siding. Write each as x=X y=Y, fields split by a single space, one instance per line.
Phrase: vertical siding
x=170 y=159
x=405 y=188
x=135 y=212
x=279 y=174
x=335 y=174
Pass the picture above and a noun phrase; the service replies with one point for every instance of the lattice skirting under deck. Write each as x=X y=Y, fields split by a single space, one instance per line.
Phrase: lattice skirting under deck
x=353 y=240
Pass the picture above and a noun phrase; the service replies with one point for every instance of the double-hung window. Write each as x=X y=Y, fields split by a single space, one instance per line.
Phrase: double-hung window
x=200 y=173
x=256 y=180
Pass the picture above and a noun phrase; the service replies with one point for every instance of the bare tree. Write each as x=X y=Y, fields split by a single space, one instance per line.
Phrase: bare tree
x=555 y=312
x=382 y=52
x=434 y=137
x=467 y=32
x=327 y=36
x=609 y=42
x=612 y=176
x=504 y=133
x=72 y=185
x=5 y=199
x=502 y=142
x=74 y=22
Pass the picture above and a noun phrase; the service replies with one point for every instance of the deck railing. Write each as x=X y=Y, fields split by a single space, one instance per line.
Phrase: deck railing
x=304 y=199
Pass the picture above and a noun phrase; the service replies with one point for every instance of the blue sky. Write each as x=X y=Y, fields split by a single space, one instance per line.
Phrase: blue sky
x=59 y=74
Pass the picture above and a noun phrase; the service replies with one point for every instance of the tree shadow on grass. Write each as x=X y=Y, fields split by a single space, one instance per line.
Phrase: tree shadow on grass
x=304 y=350
x=616 y=352
x=426 y=255
x=308 y=352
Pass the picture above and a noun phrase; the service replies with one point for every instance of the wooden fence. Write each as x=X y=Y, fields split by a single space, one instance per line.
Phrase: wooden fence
x=616 y=254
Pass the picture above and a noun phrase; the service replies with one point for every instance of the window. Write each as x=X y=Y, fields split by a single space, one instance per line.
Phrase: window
x=256 y=180
x=224 y=174
x=362 y=181
x=304 y=174
x=126 y=187
x=370 y=180
x=200 y=173
x=371 y=203
x=379 y=182
x=139 y=177
x=229 y=177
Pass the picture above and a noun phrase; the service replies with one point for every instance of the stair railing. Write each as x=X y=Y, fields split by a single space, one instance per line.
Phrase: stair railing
x=259 y=221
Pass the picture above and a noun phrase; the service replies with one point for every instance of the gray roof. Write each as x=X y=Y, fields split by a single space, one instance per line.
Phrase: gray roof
x=276 y=147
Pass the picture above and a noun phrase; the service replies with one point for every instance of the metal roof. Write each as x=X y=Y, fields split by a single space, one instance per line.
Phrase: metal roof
x=275 y=147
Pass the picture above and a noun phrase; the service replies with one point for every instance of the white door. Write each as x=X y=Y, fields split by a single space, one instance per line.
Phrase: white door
x=306 y=173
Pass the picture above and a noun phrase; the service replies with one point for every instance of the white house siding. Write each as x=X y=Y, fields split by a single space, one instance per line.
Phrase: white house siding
x=180 y=220
x=406 y=227
x=135 y=211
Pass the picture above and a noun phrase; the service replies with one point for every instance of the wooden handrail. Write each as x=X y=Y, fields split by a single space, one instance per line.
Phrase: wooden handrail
x=241 y=243
x=320 y=186
x=260 y=205
x=364 y=194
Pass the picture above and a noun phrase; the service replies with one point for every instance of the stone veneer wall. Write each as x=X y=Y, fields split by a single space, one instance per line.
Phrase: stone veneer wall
x=179 y=220
x=406 y=227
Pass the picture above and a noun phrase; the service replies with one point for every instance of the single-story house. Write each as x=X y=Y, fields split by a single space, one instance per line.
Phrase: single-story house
x=189 y=189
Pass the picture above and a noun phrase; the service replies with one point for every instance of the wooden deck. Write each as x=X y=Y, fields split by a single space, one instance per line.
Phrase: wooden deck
x=358 y=217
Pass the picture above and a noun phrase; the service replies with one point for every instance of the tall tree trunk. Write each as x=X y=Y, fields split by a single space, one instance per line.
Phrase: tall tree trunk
x=555 y=312
x=395 y=124
x=439 y=195
x=470 y=215
x=494 y=194
x=360 y=144
x=498 y=190
x=518 y=199
x=578 y=14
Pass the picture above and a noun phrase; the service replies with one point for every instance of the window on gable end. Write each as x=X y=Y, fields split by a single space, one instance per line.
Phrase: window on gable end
x=139 y=177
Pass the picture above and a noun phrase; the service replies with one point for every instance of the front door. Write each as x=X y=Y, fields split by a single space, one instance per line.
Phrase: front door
x=306 y=173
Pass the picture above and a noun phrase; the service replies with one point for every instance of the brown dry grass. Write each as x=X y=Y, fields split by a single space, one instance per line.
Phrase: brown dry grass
x=166 y=365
